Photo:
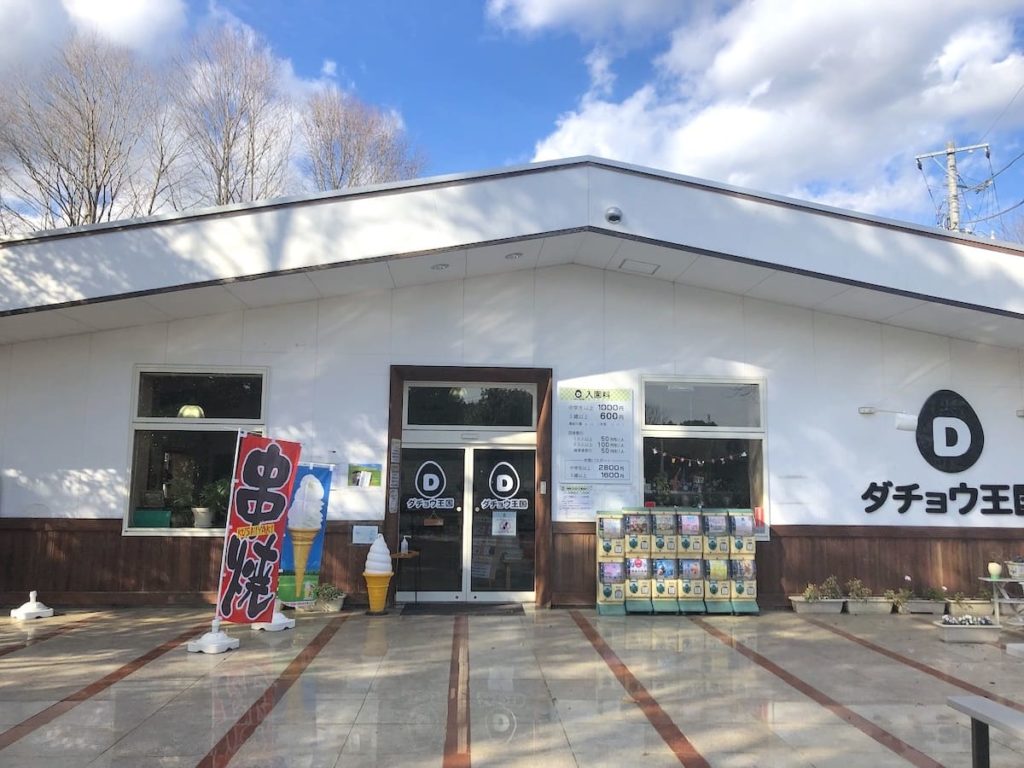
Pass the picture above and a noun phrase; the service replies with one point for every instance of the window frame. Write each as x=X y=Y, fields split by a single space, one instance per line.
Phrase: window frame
x=469 y=428
x=184 y=424
x=725 y=433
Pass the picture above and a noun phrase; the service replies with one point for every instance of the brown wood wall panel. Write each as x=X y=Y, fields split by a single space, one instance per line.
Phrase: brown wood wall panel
x=574 y=561
x=880 y=557
x=90 y=561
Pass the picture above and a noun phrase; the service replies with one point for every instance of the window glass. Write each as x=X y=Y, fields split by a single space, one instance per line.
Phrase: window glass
x=200 y=395
x=174 y=471
x=468 y=405
x=691 y=404
x=703 y=472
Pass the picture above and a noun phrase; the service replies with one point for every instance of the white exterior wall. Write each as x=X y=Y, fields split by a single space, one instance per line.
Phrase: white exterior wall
x=65 y=418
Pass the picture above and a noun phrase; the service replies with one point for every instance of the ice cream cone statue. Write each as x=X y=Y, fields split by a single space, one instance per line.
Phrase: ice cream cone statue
x=378 y=573
x=304 y=520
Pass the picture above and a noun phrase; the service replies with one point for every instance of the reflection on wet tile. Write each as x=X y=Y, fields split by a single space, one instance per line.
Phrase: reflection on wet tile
x=539 y=694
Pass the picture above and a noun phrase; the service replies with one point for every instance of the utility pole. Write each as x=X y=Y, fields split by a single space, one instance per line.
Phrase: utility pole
x=952 y=195
x=954 y=198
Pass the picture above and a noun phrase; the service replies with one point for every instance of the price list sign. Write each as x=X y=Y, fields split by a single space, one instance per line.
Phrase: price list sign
x=596 y=435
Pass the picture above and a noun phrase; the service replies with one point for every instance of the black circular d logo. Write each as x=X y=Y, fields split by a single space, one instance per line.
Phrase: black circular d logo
x=949 y=434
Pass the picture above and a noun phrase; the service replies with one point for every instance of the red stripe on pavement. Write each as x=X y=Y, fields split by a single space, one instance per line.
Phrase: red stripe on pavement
x=246 y=725
x=38 y=720
x=886 y=739
x=456 y=737
x=663 y=724
x=920 y=666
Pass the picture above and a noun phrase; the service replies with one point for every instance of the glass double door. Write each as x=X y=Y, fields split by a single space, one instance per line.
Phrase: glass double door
x=470 y=513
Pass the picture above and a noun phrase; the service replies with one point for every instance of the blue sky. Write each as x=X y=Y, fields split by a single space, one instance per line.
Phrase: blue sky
x=817 y=100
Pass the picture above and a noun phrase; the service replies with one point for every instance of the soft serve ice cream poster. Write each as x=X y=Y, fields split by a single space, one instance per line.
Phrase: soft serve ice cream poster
x=304 y=536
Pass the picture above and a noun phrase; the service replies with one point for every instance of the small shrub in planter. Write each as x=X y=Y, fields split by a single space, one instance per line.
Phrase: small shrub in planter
x=826 y=597
x=932 y=600
x=860 y=600
x=961 y=605
x=328 y=597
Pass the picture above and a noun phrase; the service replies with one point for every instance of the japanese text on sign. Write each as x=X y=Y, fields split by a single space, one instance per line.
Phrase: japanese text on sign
x=263 y=479
x=597 y=434
x=995 y=499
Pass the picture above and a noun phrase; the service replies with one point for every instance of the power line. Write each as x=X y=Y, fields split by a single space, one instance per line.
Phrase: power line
x=1000 y=115
x=1000 y=213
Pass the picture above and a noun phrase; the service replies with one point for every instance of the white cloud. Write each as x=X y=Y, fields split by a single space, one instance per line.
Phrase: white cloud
x=588 y=17
x=329 y=68
x=143 y=25
x=823 y=100
x=40 y=25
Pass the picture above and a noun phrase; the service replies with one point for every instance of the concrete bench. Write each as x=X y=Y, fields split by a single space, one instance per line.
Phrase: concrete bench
x=984 y=713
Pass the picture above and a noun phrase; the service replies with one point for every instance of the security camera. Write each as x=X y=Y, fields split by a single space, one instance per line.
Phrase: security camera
x=613 y=215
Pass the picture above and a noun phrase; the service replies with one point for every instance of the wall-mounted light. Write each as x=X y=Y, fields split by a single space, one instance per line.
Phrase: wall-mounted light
x=903 y=421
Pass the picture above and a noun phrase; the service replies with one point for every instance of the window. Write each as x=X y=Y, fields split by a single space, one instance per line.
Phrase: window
x=184 y=433
x=475 y=406
x=703 y=445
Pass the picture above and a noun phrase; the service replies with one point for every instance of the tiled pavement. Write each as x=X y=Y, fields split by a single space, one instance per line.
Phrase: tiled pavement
x=548 y=688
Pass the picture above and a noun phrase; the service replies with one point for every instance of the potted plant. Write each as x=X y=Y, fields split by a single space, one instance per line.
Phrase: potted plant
x=328 y=597
x=961 y=605
x=1015 y=568
x=180 y=497
x=213 y=500
x=826 y=597
x=898 y=597
x=931 y=600
x=968 y=629
x=860 y=600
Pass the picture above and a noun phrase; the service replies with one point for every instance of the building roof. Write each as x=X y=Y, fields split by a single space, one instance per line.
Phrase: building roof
x=672 y=228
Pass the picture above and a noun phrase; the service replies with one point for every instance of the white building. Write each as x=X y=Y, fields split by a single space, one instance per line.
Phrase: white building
x=757 y=351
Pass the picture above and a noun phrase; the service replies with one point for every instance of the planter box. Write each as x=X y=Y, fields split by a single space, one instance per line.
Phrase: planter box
x=869 y=605
x=934 y=607
x=828 y=605
x=954 y=633
x=970 y=608
x=330 y=606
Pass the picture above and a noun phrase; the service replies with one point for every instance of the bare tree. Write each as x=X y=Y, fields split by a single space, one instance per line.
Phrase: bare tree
x=234 y=117
x=70 y=140
x=348 y=143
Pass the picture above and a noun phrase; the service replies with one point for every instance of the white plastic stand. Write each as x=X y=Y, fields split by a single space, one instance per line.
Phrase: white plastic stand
x=277 y=623
x=213 y=641
x=33 y=609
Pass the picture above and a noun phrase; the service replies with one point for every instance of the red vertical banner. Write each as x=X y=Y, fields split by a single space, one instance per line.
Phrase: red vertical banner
x=264 y=473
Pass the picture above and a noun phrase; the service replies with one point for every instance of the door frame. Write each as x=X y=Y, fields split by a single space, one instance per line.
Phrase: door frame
x=466 y=594
x=542 y=378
